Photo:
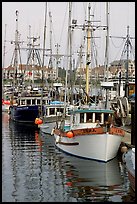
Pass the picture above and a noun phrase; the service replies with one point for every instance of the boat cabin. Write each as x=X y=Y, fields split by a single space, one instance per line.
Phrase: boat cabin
x=91 y=116
x=27 y=100
x=54 y=110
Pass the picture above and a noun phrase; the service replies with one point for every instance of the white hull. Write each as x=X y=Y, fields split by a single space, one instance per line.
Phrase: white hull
x=102 y=147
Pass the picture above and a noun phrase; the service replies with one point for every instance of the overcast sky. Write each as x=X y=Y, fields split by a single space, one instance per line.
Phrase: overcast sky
x=121 y=15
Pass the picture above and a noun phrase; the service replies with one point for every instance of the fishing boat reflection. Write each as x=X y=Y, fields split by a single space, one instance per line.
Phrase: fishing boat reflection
x=22 y=131
x=91 y=178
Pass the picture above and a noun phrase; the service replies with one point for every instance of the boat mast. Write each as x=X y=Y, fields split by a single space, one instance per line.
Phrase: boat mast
x=16 y=53
x=127 y=64
x=70 y=52
x=106 y=53
x=88 y=53
x=50 y=60
x=44 y=41
x=4 y=48
x=127 y=47
x=107 y=43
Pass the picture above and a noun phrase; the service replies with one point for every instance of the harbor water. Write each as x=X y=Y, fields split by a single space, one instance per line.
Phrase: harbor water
x=34 y=170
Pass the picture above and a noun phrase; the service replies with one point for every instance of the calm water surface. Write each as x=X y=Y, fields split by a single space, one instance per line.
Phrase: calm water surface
x=34 y=170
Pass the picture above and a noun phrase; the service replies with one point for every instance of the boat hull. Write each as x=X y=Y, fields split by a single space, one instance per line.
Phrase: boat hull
x=24 y=114
x=101 y=147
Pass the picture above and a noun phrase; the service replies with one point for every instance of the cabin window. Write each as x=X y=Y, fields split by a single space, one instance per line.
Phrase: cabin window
x=89 y=117
x=52 y=111
x=98 y=117
x=81 y=117
x=33 y=101
x=106 y=117
x=22 y=102
x=60 y=110
x=38 y=101
x=29 y=102
x=43 y=102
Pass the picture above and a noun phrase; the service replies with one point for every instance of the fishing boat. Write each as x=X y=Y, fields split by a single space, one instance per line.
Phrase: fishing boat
x=84 y=136
x=52 y=113
x=27 y=108
x=90 y=132
x=129 y=161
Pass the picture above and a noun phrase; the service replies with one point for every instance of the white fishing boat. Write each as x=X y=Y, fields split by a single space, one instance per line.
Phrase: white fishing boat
x=85 y=137
x=90 y=132
x=52 y=115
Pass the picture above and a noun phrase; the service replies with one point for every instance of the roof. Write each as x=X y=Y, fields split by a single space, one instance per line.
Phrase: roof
x=88 y=110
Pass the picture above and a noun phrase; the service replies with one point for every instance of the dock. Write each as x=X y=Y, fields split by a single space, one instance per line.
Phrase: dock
x=129 y=138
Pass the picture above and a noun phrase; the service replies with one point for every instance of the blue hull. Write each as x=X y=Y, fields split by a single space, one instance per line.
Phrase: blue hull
x=24 y=114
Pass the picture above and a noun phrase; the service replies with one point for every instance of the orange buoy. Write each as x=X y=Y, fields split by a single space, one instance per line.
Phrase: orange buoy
x=38 y=121
x=70 y=134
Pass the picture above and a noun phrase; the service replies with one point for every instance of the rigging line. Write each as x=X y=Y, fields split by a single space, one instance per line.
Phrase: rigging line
x=115 y=45
x=94 y=52
x=63 y=24
x=9 y=49
x=122 y=54
x=116 y=57
x=94 y=8
x=83 y=40
x=52 y=28
x=131 y=44
x=53 y=33
x=85 y=7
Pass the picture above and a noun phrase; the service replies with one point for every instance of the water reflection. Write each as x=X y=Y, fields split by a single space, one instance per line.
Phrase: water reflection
x=33 y=169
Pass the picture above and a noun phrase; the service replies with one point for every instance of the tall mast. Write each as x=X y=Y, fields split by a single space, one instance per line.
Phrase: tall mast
x=107 y=42
x=44 y=41
x=70 y=52
x=106 y=53
x=4 y=48
x=16 y=51
x=127 y=63
x=127 y=46
x=88 y=53
x=57 y=59
x=50 y=16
